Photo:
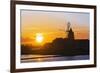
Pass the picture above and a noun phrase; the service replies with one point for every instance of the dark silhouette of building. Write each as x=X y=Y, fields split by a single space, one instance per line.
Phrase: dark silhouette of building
x=70 y=34
x=69 y=31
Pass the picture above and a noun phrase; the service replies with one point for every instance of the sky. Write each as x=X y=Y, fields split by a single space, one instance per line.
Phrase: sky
x=52 y=25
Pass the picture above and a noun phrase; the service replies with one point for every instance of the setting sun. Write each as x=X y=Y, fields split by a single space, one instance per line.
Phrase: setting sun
x=39 y=38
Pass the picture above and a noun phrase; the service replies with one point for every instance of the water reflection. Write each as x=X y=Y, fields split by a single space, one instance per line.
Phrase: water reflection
x=39 y=60
x=43 y=58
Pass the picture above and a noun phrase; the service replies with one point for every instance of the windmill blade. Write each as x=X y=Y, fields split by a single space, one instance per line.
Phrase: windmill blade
x=68 y=26
x=61 y=30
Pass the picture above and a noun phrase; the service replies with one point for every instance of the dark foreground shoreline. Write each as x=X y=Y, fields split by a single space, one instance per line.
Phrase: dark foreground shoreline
x=59 y=46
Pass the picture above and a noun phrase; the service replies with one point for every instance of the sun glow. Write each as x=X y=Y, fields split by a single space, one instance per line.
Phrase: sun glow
x=39 y=37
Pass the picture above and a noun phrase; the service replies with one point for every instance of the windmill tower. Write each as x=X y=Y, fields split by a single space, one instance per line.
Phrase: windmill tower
x=69 y=32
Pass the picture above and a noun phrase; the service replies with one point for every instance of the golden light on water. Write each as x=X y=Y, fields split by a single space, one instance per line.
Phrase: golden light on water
x=39 y=38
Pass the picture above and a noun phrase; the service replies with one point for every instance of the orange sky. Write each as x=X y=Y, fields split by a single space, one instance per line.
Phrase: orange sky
x=49 y=24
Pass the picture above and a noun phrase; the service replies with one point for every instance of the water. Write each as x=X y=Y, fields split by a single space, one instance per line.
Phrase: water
x=48 y=58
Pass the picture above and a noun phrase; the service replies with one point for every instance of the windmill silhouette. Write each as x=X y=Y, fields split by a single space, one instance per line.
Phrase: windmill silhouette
x=69 y=32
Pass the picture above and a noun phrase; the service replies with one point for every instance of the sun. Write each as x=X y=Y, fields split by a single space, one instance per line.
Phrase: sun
x=39 y=37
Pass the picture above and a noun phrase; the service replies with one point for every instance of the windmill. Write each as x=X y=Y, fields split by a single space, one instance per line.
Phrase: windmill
x=69 y=32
